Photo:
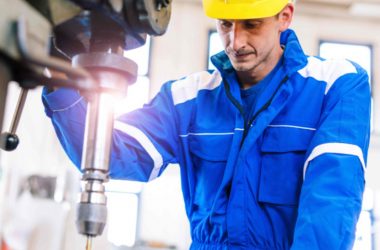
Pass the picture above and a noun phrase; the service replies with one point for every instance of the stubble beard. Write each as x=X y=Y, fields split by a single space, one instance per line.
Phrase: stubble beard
x=253 y=65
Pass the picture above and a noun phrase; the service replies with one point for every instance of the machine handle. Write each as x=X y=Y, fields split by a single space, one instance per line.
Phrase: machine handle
x=9 y=140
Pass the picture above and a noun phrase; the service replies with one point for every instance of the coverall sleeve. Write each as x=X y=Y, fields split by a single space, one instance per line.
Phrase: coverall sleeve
x=334 y=170
x=145 y=141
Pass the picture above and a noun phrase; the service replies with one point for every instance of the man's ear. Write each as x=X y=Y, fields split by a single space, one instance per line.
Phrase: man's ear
x=286 y=16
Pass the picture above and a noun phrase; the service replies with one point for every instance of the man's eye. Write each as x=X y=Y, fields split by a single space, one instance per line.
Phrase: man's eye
x=251 y=25
x=225 y=24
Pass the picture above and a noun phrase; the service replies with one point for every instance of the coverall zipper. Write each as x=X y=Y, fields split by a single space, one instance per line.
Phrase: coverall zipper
x=248 y=123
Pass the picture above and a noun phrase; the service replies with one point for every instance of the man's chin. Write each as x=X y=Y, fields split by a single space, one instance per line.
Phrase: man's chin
x=240 y=67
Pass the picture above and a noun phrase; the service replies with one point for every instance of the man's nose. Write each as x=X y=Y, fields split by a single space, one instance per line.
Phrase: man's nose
x=238 y=37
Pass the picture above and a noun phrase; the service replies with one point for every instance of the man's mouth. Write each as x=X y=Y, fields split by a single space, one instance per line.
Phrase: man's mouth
x=242 y=56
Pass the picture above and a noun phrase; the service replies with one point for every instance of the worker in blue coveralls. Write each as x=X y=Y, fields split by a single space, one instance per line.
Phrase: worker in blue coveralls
x=271 y=145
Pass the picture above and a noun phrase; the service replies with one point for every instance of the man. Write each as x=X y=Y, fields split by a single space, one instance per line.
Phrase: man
x=271 y=145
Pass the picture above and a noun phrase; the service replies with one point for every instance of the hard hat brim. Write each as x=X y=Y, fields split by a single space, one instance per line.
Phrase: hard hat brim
x=220 y=9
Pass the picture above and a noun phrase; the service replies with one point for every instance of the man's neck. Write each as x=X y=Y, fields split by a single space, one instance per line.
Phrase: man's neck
x=249 y=78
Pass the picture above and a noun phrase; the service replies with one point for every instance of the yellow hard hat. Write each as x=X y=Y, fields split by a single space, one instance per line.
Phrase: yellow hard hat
x=243 y=9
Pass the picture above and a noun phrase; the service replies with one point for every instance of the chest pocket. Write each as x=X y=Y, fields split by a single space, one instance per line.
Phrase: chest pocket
x=283 y=154
x=211 y=148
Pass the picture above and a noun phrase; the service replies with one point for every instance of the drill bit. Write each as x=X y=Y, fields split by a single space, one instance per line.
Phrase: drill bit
x=88 y=242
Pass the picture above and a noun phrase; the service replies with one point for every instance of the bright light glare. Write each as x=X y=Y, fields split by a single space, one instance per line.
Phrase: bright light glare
x=122 y=196
x=140 y=56
x=214 y=46
x=138 y=95
x=363 y=239
x=122 y=218
x=368 y=199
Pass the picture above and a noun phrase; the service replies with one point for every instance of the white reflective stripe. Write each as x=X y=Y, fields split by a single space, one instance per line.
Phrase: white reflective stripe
x=335 y=148
x=328 y=70
x=210 y=134
x=145 y=143
x=188 y=88
x=290 y=126
x=206 y=134
x=69 y=107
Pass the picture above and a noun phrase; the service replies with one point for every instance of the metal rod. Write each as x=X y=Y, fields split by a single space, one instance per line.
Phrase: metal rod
x=98 y=133
x=18 y=112
x=89 y=242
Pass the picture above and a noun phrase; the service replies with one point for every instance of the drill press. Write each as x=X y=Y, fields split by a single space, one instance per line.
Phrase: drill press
x=93 y=35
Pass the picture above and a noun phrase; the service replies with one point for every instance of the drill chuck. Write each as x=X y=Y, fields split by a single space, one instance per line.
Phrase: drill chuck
x=92 y=209
x=91 y=218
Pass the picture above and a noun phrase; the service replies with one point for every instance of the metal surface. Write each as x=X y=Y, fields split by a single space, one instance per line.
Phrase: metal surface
x=91 y=218
x=94 y=192
x=27 y=69
x=112 y=62
x=93 y=174
x=102 y=25
x=152 y=16
x=95 y=186
x=41 y=60
x=93 y=197
x=99 y=122
x=94 y=33
x=89 y=243
x=24 y=46
x=19 y=108
x=39 y=40
x=114 y=74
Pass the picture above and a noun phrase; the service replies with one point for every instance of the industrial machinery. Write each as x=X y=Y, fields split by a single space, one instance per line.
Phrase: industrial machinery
x=92 y=35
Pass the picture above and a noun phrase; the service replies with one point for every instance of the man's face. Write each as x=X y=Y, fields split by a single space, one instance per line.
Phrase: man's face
x=248 y=42
x=251 y=44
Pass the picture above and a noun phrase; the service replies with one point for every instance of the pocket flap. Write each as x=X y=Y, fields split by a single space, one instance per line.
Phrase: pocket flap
x=211 y=147
x=285 y=139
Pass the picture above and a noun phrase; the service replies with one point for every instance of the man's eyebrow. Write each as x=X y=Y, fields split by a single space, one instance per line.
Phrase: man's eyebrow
x=254 y=20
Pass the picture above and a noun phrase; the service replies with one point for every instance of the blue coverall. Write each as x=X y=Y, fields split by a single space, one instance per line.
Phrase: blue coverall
x=290 y=177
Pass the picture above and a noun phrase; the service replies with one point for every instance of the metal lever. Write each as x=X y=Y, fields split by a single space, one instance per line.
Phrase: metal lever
x=9 y=140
